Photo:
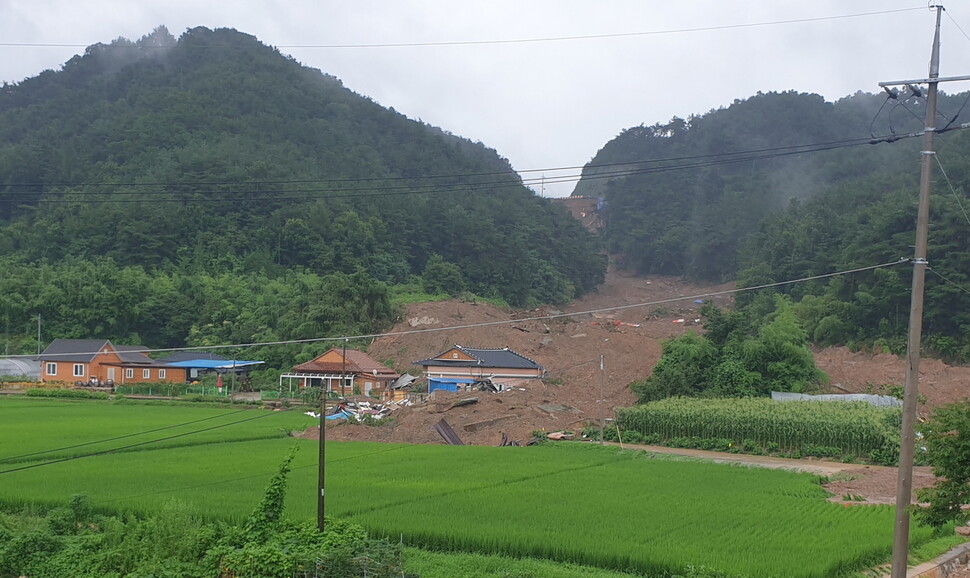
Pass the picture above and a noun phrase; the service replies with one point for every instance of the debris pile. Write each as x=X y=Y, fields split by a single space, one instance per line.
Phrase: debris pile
x=359 y=411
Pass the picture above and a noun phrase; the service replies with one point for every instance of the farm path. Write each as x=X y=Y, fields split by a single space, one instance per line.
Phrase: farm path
x=849 y=483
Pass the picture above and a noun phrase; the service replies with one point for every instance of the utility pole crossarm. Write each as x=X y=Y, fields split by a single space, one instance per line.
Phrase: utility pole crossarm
x=924 y=81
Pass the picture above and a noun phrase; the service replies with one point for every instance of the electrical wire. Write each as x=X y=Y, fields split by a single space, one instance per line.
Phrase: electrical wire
x=957 y=24
x=129 y=446
x=503 y=322
x=952 y=190
x=111 y=439
x=225 y=481
x=508 y=41
x=538 y=179
x=236 y=196
x=954 y=283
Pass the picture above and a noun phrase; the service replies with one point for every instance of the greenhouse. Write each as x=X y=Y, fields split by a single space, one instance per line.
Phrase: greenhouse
x=28 y=368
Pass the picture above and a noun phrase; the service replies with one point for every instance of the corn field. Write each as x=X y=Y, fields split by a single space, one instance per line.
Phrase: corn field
x=857 y=429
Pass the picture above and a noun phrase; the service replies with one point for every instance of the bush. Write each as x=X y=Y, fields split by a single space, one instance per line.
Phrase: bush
x=198 y=398
x=67 y=393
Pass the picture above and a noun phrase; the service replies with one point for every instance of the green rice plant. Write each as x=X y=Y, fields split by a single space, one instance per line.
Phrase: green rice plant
x=810 y=428
x=31 y=427
x=573 y=503
x=578 y=504
x=473 y=565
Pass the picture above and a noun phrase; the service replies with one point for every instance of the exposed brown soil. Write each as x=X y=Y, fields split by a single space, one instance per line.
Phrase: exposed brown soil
x=655 y=308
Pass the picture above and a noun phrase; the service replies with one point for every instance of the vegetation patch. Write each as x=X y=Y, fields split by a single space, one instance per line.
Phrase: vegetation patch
x=66 y=393
x=761 y=426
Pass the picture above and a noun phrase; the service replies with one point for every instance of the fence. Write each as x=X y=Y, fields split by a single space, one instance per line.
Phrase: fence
x=172 y=390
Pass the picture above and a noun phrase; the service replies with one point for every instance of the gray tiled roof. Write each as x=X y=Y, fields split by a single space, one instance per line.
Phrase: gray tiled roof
x=133 y=354
x=503 y=357
x=79 y=350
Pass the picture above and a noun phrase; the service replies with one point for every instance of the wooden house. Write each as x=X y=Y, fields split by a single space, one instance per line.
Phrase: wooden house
x=464 y=366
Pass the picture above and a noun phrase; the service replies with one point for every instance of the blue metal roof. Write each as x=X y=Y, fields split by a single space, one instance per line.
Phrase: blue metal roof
x=213 y=363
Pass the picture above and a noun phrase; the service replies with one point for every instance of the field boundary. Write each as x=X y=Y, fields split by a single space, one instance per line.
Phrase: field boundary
x=942 y=566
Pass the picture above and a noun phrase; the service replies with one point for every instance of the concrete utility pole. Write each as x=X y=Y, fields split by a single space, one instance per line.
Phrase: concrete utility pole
x=907 y=445
x=343 y=372
x=322 y=470
x=602 y=402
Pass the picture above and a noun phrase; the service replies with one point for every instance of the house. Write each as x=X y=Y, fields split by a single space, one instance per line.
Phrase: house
x=465 y=366
x=98 y=361
x=197 y=363
x=344 y=371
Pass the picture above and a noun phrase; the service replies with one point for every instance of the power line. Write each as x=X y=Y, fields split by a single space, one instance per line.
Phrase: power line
x=957 y=24
x=795 y=148
x=225 y=481
x=106 y=440
x=954 y=283
x=508 y=321
x=507 y=41
x=186 y=197
x=139 y=444
x=952 y=190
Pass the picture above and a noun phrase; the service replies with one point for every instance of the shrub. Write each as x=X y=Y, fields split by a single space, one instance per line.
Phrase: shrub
x=67 y=393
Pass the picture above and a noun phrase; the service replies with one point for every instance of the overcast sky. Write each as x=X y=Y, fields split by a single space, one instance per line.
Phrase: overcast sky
x=544 y=103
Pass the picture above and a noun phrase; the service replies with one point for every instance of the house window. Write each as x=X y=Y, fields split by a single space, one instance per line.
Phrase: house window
x=129 y=373
x=146 y=374
x=78 y=370
x=161 y=374
x=51 y=369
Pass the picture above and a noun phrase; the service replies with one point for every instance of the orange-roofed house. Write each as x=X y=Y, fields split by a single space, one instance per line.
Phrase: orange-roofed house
x=99 y=362
x=342 y=370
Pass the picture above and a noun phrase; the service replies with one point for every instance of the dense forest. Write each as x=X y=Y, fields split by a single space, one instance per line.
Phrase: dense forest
x=785 y=186
x=208 y=188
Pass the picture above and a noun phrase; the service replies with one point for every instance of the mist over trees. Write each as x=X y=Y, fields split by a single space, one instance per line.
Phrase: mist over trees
x=731 y=195
x=158 y=191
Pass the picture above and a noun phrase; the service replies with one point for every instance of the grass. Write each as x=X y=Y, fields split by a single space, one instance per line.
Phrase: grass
x=585 y=505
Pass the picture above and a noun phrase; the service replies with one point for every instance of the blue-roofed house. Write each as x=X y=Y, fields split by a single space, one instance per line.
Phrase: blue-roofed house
x=460 y=366
x=197 y=363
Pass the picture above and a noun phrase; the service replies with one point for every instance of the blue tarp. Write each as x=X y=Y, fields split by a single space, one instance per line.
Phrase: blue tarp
x=446 y=383
x=339 y=415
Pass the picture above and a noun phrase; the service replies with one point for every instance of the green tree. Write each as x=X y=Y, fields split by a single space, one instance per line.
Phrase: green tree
x=440 y=276
x=683 y=370
x=752 y=352
x=946 y=437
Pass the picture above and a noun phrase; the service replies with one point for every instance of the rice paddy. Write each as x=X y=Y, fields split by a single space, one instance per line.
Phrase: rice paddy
x=572 y=503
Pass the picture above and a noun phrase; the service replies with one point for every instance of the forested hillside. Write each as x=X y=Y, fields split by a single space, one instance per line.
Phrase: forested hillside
x=785 y=186
x=168 y=191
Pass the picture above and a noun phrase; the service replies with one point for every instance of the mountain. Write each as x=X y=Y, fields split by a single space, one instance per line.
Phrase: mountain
x=214 y=154
x=784 y=186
